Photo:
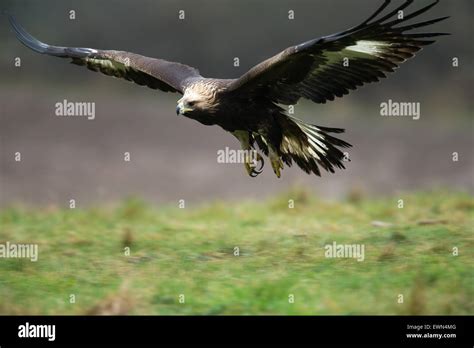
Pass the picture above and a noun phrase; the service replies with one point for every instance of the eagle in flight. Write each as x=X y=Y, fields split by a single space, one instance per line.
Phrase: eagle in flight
x=250 y=107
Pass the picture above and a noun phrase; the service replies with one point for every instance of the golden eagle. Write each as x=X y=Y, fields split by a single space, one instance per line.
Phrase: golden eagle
x=250 y=106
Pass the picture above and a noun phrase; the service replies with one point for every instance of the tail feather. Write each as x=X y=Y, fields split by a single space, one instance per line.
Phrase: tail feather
x=311 y=146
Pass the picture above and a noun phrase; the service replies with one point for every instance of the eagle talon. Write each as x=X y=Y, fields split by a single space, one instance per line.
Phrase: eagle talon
x=251 y=170
x=250 y=166
x=262 y=163
x=254 y=174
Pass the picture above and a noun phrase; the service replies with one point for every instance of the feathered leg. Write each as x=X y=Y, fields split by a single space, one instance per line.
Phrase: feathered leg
x=275 y=159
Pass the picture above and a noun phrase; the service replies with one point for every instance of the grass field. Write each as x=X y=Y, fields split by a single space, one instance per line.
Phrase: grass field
x=281 y=256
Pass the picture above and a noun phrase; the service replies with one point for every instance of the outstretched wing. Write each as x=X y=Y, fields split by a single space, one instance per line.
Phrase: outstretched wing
x=154 y=73
x=328 y=67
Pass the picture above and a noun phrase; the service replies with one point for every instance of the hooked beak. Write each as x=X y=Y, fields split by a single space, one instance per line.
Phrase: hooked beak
x=181 y=109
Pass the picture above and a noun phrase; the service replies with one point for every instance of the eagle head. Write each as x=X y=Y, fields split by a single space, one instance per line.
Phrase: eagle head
x=196 y=100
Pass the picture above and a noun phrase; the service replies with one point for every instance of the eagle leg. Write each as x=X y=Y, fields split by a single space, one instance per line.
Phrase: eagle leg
x=250 y=164
x=277 y=163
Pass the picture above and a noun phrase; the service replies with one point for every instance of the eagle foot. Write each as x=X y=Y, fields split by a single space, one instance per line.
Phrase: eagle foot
x=251 y=166
x=277 y=165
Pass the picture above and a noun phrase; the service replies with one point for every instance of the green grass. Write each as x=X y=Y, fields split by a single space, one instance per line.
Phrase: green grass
x=191 y=251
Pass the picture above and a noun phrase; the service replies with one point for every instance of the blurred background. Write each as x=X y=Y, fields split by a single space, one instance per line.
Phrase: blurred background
x=175 y=158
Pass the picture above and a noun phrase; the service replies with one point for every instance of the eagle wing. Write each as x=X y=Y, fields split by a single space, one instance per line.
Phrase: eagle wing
x=154 y=73
x=331 y=66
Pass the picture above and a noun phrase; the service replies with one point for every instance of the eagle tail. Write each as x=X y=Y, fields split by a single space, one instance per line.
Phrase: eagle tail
x=311 y=146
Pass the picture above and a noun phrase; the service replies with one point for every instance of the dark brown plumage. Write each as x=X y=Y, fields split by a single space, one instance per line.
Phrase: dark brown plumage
x=319 y=70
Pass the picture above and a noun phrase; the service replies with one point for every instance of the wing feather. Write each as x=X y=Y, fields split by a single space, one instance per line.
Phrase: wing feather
x=154 y=73
x=318 y=69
